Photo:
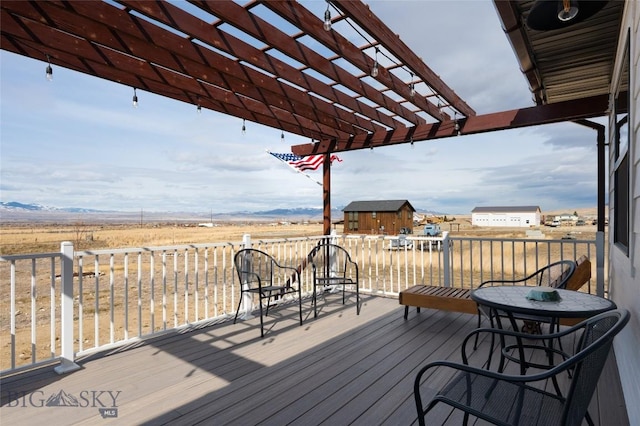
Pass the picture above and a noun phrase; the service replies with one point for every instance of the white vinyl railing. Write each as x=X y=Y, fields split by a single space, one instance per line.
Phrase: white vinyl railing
x=57 y=306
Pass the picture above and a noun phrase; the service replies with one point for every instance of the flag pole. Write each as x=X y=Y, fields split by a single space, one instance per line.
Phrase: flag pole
x=293 y=168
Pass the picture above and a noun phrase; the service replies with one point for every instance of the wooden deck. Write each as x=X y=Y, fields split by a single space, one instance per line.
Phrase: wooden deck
x=338 y=369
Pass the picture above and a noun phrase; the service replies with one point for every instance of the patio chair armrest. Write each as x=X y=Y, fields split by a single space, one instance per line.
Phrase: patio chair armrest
x=464 y=368
x=292 y=273
x=516 y=335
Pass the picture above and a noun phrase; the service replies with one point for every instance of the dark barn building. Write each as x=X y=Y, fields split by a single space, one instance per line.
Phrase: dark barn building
x=378 y=217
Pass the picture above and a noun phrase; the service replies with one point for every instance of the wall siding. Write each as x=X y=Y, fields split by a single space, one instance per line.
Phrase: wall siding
x=391 y=221
x=624 y=273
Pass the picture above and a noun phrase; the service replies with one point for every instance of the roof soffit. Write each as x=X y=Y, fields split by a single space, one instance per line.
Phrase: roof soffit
x=568 y=63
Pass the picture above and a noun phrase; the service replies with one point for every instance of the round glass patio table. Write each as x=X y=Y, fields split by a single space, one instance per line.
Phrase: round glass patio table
x=513 y=300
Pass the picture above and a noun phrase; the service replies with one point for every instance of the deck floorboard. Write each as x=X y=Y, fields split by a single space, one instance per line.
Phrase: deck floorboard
x=338 y=369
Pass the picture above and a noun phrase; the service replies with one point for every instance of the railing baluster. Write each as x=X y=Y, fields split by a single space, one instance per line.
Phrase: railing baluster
x=96 y=312
x=164 y=289
x=152 y=290
x=112 y=313
x=126 y=296
x=81 y=305
x=34 y=322
x=12 y=310
x=139 y=286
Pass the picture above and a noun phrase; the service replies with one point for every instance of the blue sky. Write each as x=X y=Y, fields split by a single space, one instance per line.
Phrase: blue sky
x=78 y=142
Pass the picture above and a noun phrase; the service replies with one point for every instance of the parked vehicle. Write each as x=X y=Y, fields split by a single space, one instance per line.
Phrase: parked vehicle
x=400 y=243
x=432 y=230
x=580 y=222
x=555 y=223
x=405 y=231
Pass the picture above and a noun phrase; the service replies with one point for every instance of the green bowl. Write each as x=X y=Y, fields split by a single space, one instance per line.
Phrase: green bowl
x=543 y=294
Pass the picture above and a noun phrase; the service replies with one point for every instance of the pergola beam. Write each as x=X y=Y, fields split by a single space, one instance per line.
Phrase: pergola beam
x=533 y=116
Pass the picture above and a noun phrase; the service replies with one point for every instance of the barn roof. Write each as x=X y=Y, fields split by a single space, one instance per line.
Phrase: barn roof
x=506 y=209
x=377 y=206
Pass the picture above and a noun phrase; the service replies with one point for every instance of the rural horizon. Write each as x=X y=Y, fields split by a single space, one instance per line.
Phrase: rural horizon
x=20 y=207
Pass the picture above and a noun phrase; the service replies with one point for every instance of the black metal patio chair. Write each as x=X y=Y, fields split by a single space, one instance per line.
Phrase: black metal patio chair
x=261 y=275
x=333 y=267
x=522 y=399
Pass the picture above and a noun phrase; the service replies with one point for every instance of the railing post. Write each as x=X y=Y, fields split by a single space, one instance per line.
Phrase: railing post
x=446 y=259
x=247 y=300
x=67 y=356
x=600 y=263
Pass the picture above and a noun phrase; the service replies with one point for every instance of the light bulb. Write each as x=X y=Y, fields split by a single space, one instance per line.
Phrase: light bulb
x=327 y=19
x=135 y=98
x=282 y=136
x=244 y=128
x=374 y=70
x=567 y=10
x=412 y=86
x=456 y=125
x=49 y=70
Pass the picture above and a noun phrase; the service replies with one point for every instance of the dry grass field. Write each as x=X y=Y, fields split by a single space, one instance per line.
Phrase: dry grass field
x=43 y=238
x=22 y=238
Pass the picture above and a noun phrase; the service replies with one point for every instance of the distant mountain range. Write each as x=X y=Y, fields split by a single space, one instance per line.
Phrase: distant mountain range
x=16 y=211
x=14 y=205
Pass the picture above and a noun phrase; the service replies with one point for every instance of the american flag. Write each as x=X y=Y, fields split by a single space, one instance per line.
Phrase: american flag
x=310 y=162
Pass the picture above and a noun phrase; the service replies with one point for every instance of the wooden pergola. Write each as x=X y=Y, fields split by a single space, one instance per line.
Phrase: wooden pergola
x=286 y=66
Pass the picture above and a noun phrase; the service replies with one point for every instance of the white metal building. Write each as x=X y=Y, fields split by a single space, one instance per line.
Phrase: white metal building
x=507 y=216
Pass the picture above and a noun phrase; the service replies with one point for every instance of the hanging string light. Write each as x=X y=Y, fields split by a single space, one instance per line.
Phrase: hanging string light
x=49 y=70
x=135 y=98
x=327 y=18
x=456 y=125
x=412 y=86
x=244 y=127
x=374 y=70
x=199 y=107
x=281 y=136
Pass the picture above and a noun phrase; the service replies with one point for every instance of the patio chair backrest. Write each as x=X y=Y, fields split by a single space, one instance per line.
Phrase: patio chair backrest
x=331 y=260
x=254 y=267
x=555 y=274
x=591 y=354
